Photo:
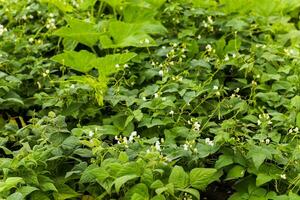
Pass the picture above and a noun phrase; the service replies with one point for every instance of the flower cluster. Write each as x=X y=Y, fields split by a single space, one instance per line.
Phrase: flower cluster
x=209 y=142
x=2 y=29
x=294 y=130
x=264 y=118
x=50 y=24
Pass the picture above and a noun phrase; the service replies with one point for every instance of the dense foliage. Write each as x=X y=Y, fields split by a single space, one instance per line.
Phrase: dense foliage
x=149 y=99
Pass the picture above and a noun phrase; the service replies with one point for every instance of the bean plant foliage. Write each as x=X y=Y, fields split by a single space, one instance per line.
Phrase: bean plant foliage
x=149 y=99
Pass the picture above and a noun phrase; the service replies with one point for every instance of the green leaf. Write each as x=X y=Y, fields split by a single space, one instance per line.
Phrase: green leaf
x=262 y=179
x=236 y=171
x=200 y=178
x=80 y=61
x=122 y=180
x=157 y=184
x=26 y=190
x=179 y=177
x=63 y=5
x=138 y=197
x=295 y=102
x=191 y=191
x=9 y=183
x=99 y=173
x=138 y=115
x=80 y=31
x=224 y=160
x=15 y=196
x=64 y=192
x=48 y=186
x=125 y=35
x=298 y=120
x=109 y=64
x=138 y=191
x=159 y=197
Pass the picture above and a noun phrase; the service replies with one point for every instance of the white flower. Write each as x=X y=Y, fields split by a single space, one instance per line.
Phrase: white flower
x=126 y=66
x=209 y=142
x=208 y=48
x=157 y=146
x=296 y=130
x=147 y=41
x=156 y=95
x=226 y=58
x=144 y=99
x=199 y=37
x=31 y=40
x=253 y=82
x=171 y=112
x=2 y=29
x=269 y=122
x=47 y=71
x=186 y=147
x=218 y=93
x=132 y=135
x=125 y=140
x=91 y=134
x=117 y=65
x=51 y=15
x=267 y=141
x=196 y=126
x=161 y=72
x=233 y=55
x=258 y=122
x=209 y=20
x=215 y=87
x=283 y=176
x=237 y=90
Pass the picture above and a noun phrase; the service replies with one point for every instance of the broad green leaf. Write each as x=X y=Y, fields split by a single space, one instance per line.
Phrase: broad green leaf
x=159 y=197
x=48 y=186
x=200 y=178
x=26 y=190
x=38 y=195
x=9 y=183
x=157 y=184
x=298 y=120
x=80 y=31
x=122 y=180
x=138 y=115
x=262 y=179
x=125 y=35
x=224 y=160
x=147 y=177
x=259 y=154
x=110 y=63
x=191 y=191
x=80 y=61
x=116 y=4
x=63 y=5
x=99 y=173
x=295 y=102
x=15 y=196
x=179 y=177
x=65 y=192
x=235 y=172
x=138 y=191
x=138 y=197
